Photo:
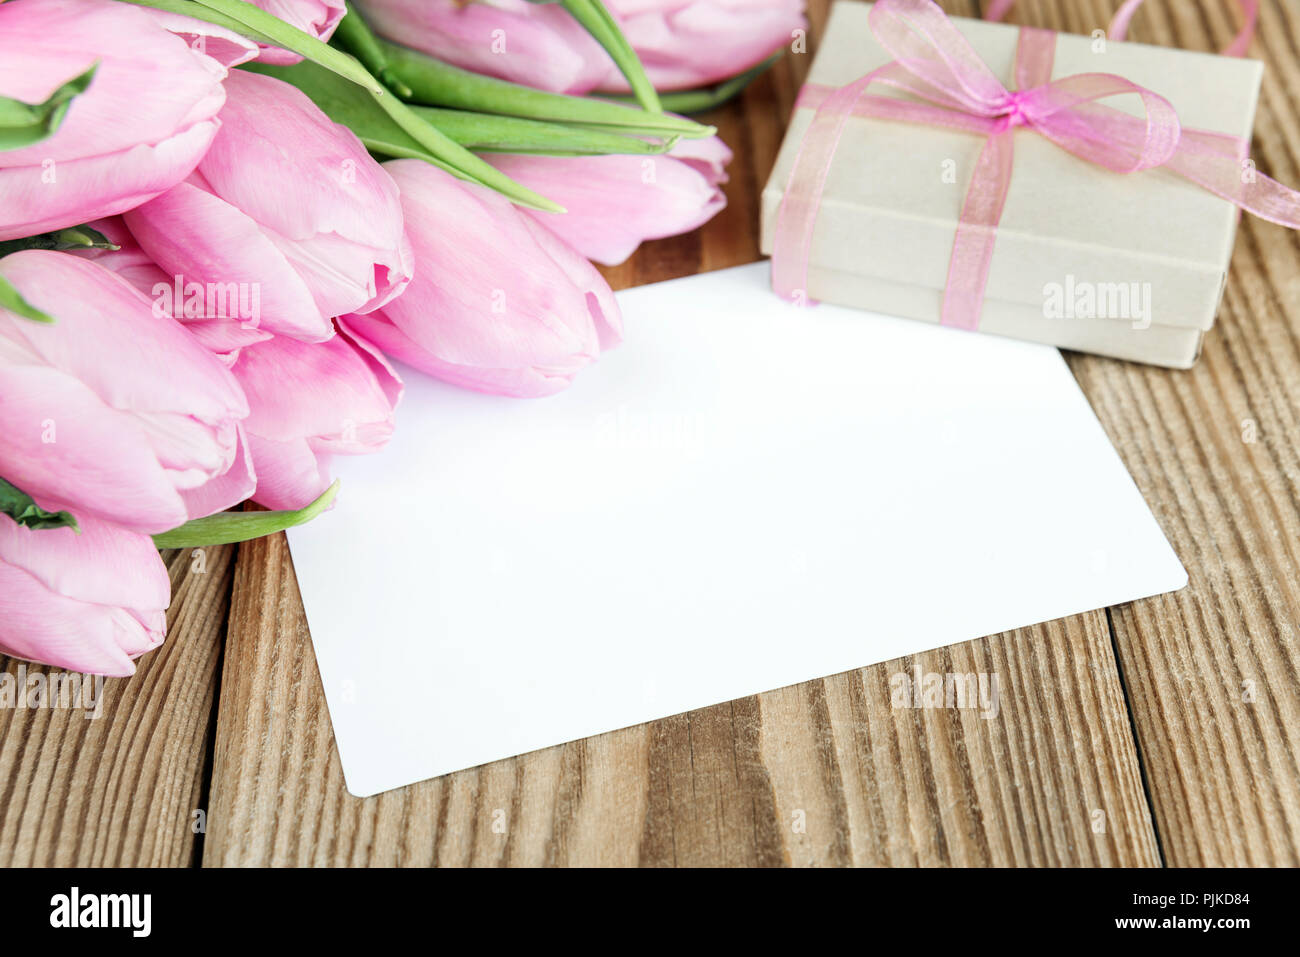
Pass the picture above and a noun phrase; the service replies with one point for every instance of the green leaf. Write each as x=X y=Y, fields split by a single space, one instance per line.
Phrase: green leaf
x=19 y=506
x=439 y=84
x=354 y=36
x=348 y=104
x=258 y=25
x=22 y=124
x=597 y=21
x=226 y=527
x=706 y=98
x=11 y=299
x=489 y=133
x=74 y=237
x=345 y=102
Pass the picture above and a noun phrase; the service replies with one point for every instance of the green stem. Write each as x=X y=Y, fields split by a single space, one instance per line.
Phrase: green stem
x=348 y=104
x=11 y=299
x=439 y=84
x=257 y=24
x=227 y=527
x=488 y=132
x=20 y=506
x=73 y=237
x=354 y=36
x=597 y=21
x=22 y=124
x=707 y=98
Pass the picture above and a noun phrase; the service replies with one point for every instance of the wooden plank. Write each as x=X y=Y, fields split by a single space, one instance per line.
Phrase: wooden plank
x=827 y=772
x=121 y=789
x=277 y=789
x=1212 y=671
x=832 y=772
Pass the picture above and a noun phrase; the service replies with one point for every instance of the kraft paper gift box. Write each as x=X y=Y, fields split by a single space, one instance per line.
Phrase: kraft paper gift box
x=1070 y=229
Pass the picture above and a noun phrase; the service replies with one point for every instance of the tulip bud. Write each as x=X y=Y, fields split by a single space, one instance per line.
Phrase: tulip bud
x=690 y=43
x=145 y=120
x=681 y=43
x=537 y=44
x=309 y=401
x=89 y=602
x=114 y=411
x=288 y=208
x=498 y=302
x=613 y=203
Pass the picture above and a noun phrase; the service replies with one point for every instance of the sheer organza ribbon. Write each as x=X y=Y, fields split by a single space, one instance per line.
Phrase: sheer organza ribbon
x=1119 y=24
x=952 y=87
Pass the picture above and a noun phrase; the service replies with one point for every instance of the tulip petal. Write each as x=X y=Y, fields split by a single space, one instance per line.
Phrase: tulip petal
x=87 y=602
x=225 y=46
x=289 y=474
x=691 y=43
x=156 y=366
x=613 y=203
x=198 y=236
x=38 y=626
x=536 y=44
x=58 y=193
x=104 y=564
x=226 y=490
x=143 y=72
x=328 y=392
x=318 y=18
x=461 y=306
x=63 y=446
x=524 y=382
x=115 y=409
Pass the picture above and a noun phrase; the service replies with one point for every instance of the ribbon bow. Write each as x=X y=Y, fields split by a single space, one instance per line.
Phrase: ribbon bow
x=954 y=88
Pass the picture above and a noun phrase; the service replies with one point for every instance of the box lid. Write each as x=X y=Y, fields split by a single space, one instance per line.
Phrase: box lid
x=894 y=191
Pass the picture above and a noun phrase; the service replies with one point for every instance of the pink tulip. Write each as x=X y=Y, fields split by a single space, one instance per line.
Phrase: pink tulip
x=225 y=46
x=613 y=203
x=682 y=43
x=218 y=335
x=689 y=43
x=498 y=303
x=88 y=602
x=310 y=230
x=315 y=17
x=114 y=412
x=308 y=402
x=538 y=44
x=146 y=119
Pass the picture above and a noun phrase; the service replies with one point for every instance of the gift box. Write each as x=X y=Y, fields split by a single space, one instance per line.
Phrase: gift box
x=1124 y=264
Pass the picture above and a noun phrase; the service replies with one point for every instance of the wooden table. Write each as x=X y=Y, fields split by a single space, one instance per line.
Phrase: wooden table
x=1166 y=731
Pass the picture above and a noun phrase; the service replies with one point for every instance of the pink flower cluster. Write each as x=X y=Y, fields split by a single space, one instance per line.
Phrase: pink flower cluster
x=681 y=43
x=268 y=269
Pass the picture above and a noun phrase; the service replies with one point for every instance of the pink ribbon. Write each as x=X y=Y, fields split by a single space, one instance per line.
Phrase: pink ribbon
x=954 y=88
x=1119 y=25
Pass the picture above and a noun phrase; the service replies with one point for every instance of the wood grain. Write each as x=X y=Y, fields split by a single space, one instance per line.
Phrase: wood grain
x=1166 y=730
x=121 y=788
x=1212 y=670
x=828 y=772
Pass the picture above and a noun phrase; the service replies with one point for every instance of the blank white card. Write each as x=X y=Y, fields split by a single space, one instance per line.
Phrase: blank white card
x=744 y=495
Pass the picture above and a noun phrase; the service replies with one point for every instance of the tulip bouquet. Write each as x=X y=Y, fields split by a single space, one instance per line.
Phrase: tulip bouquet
x=220 y=221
